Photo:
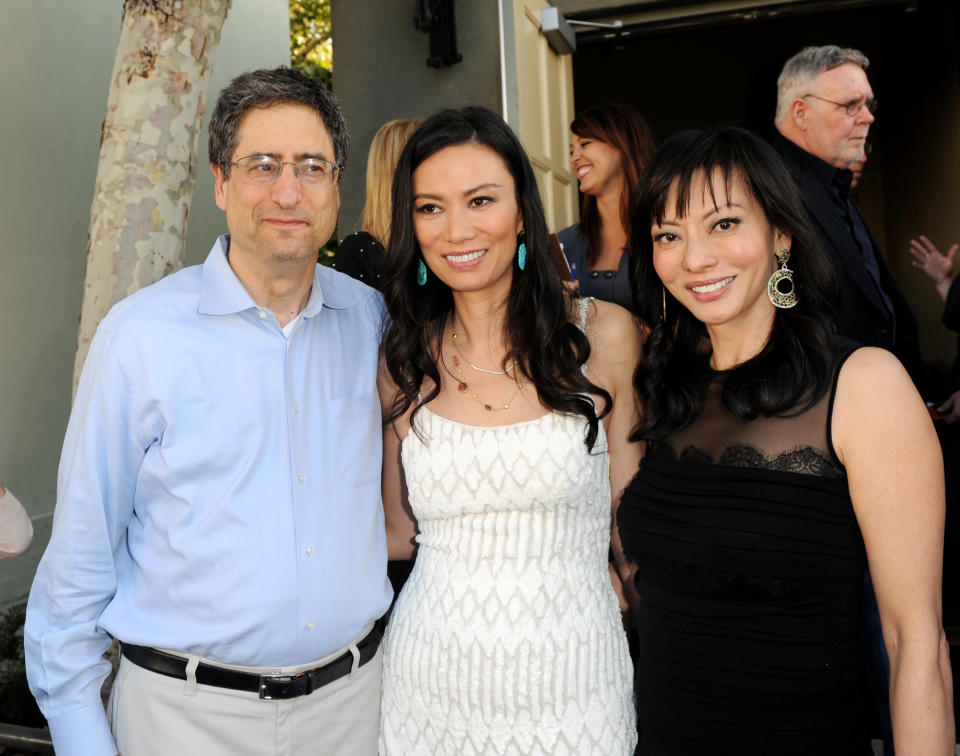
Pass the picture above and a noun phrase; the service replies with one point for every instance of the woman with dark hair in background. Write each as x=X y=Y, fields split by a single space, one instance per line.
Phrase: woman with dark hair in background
x=361 y=255
x=609 y=147
x=508 y=408
x=779 y=459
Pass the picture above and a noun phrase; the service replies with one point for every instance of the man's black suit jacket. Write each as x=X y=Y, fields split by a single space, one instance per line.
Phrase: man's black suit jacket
x=862 y=315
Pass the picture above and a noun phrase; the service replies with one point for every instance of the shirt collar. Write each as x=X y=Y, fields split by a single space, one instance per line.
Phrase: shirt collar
x=223 y=294
x=824 y=172
x=842 y=179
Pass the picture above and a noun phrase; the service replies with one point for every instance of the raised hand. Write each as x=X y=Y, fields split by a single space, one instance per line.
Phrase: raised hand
x=928 y=258
x=950 y=409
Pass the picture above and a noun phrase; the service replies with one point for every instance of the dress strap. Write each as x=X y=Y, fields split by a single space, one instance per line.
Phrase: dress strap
x=583 y=305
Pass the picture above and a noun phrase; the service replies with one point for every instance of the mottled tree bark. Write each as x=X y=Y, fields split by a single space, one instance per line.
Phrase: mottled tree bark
x=148 y=151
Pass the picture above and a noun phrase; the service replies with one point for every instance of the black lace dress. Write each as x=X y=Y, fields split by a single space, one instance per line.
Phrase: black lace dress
x=750 y=566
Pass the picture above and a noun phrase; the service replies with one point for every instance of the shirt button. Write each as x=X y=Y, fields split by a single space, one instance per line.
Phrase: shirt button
x=302 y=478
x=594 y=274
x=262 y=315
x=296 y=409
x=608 y=274
x=309 y=550
x=310 y=625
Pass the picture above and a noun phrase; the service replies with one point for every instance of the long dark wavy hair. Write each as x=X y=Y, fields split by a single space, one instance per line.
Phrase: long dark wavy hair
x=545 y=346
x=794 y=368
x=621 y=126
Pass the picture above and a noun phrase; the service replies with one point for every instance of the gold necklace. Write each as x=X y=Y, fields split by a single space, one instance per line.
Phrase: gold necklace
x=464 y=388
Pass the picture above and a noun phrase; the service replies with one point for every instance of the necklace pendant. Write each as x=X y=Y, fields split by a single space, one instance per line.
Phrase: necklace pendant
x=462 y=387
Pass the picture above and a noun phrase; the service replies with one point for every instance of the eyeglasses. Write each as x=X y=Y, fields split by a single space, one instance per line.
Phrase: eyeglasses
x=853 y=107
x=264 y=170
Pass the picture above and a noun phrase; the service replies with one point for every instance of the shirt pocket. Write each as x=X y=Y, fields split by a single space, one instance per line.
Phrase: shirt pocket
x=358 y=438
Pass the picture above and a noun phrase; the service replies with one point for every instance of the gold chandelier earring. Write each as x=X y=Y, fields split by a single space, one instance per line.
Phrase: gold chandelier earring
x=780 y=287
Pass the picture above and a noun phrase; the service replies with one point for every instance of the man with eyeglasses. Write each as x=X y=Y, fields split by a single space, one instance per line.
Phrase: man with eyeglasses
x=219 y=505
x=825 y=107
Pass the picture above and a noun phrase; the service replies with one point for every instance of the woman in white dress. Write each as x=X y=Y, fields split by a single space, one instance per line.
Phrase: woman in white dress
x=507 y=407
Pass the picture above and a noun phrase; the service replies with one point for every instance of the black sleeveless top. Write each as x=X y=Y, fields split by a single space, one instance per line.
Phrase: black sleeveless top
x=750 y=566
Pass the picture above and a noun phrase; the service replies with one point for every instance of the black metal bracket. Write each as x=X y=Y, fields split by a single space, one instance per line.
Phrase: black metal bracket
x=436 y=18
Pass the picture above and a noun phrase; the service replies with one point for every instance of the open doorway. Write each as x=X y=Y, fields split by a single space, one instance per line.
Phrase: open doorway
x=725 y=73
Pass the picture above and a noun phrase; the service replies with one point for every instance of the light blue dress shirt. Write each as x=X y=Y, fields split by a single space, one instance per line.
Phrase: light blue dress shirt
x=218 y=492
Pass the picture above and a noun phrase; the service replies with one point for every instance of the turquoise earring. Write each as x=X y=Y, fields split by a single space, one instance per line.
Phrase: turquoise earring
x=522 y=251
x=421 y=272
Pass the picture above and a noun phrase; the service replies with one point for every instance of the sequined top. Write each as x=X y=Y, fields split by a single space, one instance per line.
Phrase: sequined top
x=361 y=256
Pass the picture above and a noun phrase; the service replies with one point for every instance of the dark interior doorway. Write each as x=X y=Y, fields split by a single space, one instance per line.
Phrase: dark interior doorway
x=725 y=73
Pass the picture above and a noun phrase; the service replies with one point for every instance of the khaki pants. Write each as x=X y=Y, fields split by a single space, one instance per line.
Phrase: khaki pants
x=155 y=715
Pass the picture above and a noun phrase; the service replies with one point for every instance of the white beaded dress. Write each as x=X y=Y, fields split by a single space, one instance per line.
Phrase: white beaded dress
x=507 y=637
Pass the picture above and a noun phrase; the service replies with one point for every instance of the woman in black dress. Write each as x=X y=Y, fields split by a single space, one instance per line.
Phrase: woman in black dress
x=779 y=460
x=361 y=255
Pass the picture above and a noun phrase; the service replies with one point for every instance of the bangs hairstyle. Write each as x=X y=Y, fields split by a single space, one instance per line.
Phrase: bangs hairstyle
x=793 y=370
x=622 y=127
x=545 y=346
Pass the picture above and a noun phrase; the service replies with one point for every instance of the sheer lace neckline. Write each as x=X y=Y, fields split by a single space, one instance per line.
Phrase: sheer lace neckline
x=805 y=460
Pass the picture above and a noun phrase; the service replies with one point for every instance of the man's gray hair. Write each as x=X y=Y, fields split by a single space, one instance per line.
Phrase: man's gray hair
x=799 y=72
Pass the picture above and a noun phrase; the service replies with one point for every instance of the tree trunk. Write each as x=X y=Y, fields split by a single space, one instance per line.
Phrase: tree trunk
x=148 y=151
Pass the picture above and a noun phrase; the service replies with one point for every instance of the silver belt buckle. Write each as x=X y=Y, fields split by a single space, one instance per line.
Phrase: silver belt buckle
x=265 y=685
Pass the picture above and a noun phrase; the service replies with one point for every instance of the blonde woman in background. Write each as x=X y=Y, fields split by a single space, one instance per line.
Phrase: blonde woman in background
x=360 y=255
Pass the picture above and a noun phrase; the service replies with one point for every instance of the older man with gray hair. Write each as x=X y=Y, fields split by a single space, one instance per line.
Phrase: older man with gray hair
x=825 y=107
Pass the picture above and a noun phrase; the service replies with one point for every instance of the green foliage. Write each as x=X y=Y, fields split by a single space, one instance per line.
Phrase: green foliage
x=311 y=46
x=16 y=703
x=311 y=51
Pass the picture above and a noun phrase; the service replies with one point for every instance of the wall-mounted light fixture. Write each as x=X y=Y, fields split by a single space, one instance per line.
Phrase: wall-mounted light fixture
x=435 y=17
x=557 y=30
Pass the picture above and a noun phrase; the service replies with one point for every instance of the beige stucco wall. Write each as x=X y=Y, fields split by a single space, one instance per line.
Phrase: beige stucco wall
x=56 y=57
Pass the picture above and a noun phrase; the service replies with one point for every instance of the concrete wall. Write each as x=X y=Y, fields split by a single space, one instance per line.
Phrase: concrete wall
x=380 y=73
x=56 y=57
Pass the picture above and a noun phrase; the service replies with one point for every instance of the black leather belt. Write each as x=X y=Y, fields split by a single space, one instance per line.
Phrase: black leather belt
x=268 y=686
